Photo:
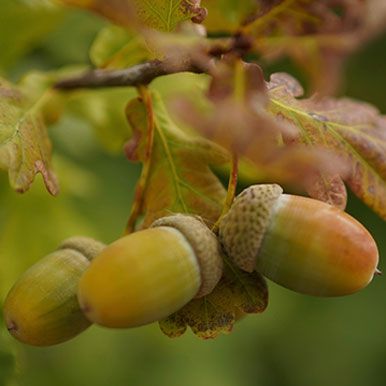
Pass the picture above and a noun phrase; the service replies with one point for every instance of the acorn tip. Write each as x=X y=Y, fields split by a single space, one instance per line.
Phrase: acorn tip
x=12 y=326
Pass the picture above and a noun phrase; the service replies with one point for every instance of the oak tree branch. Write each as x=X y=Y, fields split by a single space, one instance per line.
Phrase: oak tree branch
x=140 y=74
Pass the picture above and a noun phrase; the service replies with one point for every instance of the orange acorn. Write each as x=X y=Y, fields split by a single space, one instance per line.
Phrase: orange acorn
x=300 y=243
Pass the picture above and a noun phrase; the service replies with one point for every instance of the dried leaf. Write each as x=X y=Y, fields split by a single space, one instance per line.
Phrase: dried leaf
x=353 y=130
x=375 y=17
x=239 y=81
x=237 y=292
x=180 y=180
x=317 y=35
x=328 y=188
x=25 y=148
x=237 y=119
x=234 y=114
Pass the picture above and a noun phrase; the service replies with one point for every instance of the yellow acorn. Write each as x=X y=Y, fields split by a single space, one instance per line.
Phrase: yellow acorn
x=147 y=275
x=300 y=243
x=42 y=309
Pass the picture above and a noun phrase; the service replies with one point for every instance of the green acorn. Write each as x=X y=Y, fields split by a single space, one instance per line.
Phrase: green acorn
x=42 y=309
x=300 y=243
x=147 y=275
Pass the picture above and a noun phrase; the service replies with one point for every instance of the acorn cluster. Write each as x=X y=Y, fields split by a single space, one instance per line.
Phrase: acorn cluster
x=300 y=243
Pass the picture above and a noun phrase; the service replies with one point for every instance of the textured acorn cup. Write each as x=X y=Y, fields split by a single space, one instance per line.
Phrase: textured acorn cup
x=147 y=275
x=300 y=243
x=41 y=308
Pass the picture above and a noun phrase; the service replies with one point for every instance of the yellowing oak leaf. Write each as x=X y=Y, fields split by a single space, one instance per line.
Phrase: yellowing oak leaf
x=166 y=15
x=25 y=148
x=237 y=293
x=354 y=130
x=162 y=15
x=180 y=179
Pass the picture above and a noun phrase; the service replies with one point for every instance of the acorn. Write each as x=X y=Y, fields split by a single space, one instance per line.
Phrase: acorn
x=42 y=309
x=300 y=243
x=147 y=275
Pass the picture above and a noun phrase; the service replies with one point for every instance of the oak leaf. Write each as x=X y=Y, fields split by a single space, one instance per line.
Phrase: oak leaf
x=317 y=35
x=103 y=110
x=354 y=130
x=116 y=47
x=162 y=15
x=238 y=292
x=227 y=15
x=180 y=179
x=236 y=117
x=25 y=148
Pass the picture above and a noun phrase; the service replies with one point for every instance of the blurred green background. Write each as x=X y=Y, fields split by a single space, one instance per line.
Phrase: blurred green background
x=298 y=341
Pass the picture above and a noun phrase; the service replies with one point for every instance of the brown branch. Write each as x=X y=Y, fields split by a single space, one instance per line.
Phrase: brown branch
x=141 y=74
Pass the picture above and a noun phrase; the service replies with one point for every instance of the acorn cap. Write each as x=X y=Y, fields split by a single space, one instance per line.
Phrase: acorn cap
x=87 y=246
x=204 y=244
x=249 y=215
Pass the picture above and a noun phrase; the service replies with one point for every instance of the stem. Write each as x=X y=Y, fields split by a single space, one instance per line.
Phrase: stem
x=144 y=73
x=231 y=192
x=136 y=208
x=141 y=74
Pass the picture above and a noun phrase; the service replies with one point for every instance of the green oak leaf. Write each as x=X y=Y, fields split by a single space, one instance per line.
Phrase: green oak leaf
x=228 y=15
x=166 y=15
x=116 y=47
x=180 y=179
x=162 y=15
x=104 y=111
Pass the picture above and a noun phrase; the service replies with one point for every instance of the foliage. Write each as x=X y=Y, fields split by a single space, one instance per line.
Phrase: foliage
x=181 y=127
x=353 y=129
x=180 y=180
x=25 y=147
x=237 y=294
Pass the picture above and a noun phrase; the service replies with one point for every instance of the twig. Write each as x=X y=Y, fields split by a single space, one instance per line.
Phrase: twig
x=141 y=74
